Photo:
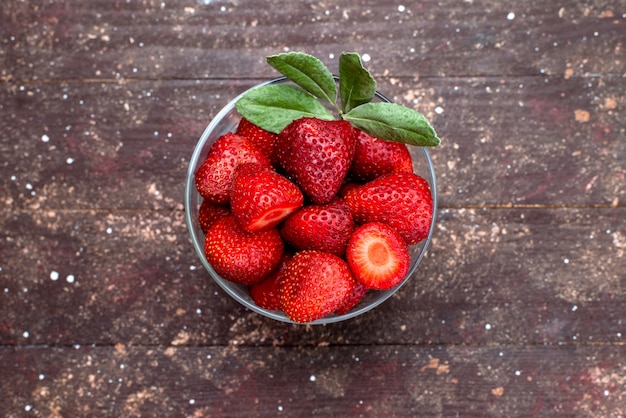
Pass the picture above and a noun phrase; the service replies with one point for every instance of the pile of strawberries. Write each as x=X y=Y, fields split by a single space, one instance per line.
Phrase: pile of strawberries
x=311 y=218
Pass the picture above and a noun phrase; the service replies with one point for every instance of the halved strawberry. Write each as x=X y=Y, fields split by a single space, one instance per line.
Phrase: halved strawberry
x=320 y=227
x=265 y=293
x=215 y=175
x=260 y=198
x=313 y=285
x=241 y=256
x=318 y=154
x=374 y=157
x=264 y=140
x=402 y=200
x=378 y=256
x=209 y=213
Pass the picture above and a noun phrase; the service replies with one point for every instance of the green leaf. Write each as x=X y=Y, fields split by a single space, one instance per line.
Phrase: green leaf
x=392 y=122
x=308 y=72
x=274 y=106
x=356 y=84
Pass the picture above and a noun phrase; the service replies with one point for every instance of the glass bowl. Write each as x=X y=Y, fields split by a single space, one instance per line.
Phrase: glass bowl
x=226 y=121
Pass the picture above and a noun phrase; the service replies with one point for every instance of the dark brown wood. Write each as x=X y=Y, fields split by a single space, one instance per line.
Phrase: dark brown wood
x=517 y=309
x=407 y=380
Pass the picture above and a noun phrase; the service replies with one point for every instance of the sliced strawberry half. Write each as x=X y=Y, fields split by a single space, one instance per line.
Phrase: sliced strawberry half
x=260 y=198
x=378 y=256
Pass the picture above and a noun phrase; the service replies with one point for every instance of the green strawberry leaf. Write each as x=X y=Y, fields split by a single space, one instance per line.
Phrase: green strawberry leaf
x=274 y=106
x=356 y=84
x=308 y=72
x=393 y=122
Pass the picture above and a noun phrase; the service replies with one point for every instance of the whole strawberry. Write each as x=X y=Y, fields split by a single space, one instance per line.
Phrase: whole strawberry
x=402 y=200
x=313 y=285
x=215 y=175
x=320 y=227
x=264 y=140
x=265 y=293
x=241 y=256
x=318 y=154
x=378 y=256
x=260 y=198
x=353 y=299
x=209 y=213
x=374 y=157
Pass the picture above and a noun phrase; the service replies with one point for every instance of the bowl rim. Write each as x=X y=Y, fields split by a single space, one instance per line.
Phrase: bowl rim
x=197 y=241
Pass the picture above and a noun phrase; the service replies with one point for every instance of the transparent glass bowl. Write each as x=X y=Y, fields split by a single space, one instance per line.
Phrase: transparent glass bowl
x=226 y=121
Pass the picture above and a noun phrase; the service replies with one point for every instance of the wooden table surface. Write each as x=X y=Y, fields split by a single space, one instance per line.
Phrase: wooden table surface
x=518 y=309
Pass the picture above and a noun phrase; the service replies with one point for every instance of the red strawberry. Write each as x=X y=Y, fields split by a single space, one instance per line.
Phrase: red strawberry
x=375 y=157
x=264 y=140
x=265 y=293
x=378 y=256
x=346 y=187
x=318 y=154
x=209 y=213
x=402 y=200
x=240 y=256
x=215 y=175
x=355 y=297
x=313 y=285
x=320 y=227
x=260 y=198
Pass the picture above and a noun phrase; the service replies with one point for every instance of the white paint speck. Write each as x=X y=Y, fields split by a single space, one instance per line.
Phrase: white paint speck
x=331 y=56
x=510 y=16
x=439 y=110
x=487 y=326
x=401 y=8
x=54 y=276
x=198 y=311
x=27 y=408
x=70 y=278
x=69 y=160
x=366 y=58
x=280 y=408
x=109 y=231
x=45 y=138
x=574 y=308
x=518 y=372
x=312 y=378
x=42 y=377
x=619 y=335
x=26 y=334
x=192 y=401
x=566 y=260
x=29 y=186
x=606 y=392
